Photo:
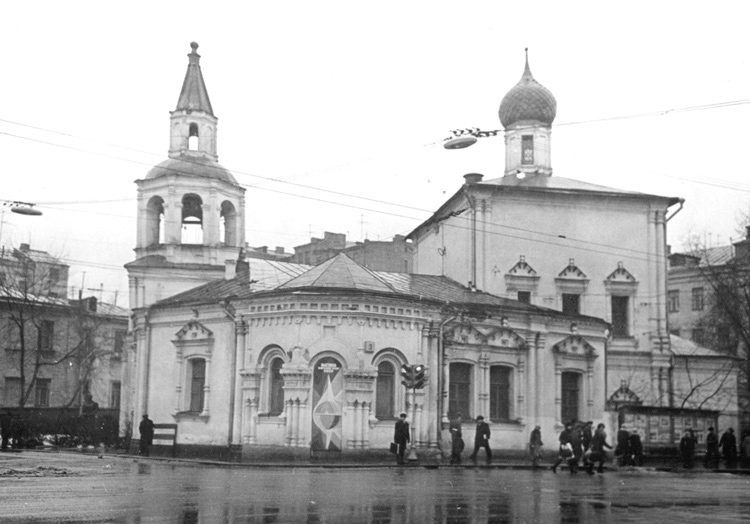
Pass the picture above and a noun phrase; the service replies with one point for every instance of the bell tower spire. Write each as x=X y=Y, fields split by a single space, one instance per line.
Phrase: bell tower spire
x=193 y=124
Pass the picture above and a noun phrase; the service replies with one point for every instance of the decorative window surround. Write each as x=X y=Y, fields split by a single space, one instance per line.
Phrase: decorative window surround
x=621 y=282
x=193 y=341
x=521 y=277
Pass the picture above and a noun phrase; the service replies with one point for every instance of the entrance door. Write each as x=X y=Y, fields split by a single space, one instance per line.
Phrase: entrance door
x=328 y=392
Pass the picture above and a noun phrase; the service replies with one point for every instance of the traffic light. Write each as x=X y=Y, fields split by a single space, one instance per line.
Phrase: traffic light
x=418 y=377
x=407 y=376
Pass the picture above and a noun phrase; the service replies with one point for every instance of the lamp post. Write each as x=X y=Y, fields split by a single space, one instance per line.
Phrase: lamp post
x=463 y=138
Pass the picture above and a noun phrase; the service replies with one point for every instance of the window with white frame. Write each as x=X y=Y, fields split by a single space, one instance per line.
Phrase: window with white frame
x=673 y=300
x=41 y=392
x=197 y=373
x=697 y=299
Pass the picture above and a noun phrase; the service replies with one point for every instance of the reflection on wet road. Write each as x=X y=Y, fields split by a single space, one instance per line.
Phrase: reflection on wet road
x=129 y=492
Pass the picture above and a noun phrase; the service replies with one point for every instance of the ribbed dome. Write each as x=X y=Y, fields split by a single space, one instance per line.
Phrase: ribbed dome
x=528 y=100
x=198 y=166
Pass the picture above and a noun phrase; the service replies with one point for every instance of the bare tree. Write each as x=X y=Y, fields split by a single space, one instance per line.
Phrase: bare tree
x=42 y=328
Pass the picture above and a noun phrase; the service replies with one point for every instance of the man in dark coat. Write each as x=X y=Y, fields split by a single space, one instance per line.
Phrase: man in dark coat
x=564 y=439
x=401 y=437
x=728 y=445
x=622 y=451
x=687 y=449
x=457 y=442
x=535 y=446
x=482 y=440
x=712 y=449
x=587 y=434
x=6 y=419
x=635 y=449
x=146 y=429
x=598 y=453
x=576 y=442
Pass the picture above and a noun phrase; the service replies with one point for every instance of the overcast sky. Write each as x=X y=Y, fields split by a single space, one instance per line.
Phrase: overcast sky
x=353 y=99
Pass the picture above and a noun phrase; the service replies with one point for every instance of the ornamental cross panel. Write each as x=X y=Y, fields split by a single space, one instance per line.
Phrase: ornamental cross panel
x=621 y=275
x=193 y=331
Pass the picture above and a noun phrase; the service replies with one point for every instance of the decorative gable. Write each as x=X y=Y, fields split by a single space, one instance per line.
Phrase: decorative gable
x=571 y=279
x=621 y=281
x=575 y=346
x=193 y=331
x=521 y=277
x=500 y=337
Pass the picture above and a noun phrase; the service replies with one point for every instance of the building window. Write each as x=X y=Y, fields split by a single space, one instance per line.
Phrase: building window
x=571 y=304
x=524 y=297
x=276 y=393
x=12 y=392
x=114 y=394
x=500 y=393
x=41 y=393
x=54 y=274
x=673 y=299
x=119 y=342
x=697 y=299
x=385 y=392
x=459 y=393
x=620 y=316
x=527 y=150
x=570 y=396
x=698 y=335
x=197 y=383
x=46 y=334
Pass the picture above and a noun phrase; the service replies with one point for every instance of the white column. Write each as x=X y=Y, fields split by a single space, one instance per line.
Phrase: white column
x=206 y=389
x=252 y=419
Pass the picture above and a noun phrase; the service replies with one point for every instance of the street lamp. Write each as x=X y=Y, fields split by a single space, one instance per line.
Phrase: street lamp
x=463 y=138
x=16 y=206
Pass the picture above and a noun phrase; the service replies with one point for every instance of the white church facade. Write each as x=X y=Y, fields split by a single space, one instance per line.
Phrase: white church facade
x=534 y=300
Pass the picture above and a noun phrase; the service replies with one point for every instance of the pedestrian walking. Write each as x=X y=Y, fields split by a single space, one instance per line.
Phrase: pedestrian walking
x=712 y=449
x=535 y=446
x=728 y=445
x=482 y=440
x=576 y=443
x=565 y=451
x=401 y=437
x=587 y=434
x=457 y=441
x=635 y=448
x=622 y=451
x=597 y=451
x=745 y=449
x=146 y=429
x=687 y=449
x=6 y=419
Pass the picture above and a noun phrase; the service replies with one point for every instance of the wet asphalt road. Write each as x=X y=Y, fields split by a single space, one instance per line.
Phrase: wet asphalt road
x=122 y=490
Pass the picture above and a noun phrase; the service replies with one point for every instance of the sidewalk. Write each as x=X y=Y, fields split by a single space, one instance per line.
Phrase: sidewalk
x=66 y=457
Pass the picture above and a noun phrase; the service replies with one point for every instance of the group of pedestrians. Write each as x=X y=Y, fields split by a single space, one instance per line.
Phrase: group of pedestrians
x=481 y=439
x=727 y=444
x=579 y=443
x=629 y=449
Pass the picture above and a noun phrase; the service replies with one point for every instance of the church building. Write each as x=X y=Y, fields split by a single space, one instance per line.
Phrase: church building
x=245 y=354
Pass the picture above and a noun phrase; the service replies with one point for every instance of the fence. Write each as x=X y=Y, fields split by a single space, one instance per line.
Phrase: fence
x=31 y=427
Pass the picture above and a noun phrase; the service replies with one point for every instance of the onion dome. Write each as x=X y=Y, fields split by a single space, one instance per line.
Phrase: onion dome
x=528 y=100
x=190 y=165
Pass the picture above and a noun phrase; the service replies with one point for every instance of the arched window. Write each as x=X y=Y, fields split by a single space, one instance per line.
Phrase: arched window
x=459 y=391
x=193 y=137
x=500 y=393
x=197 y=383
x=385 y=391
x=276 y=391
x=571 y=386
x=154 y=221
x=192 y=219
x=228 y=224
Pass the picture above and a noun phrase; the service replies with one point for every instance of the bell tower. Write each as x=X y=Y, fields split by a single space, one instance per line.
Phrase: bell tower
x=191 y=210
x=527 y=112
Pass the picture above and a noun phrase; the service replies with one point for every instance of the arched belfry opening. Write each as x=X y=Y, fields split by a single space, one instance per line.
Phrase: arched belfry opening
x=192 y=219
x=155 y=221
x=193 y=137
x=228 y=224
